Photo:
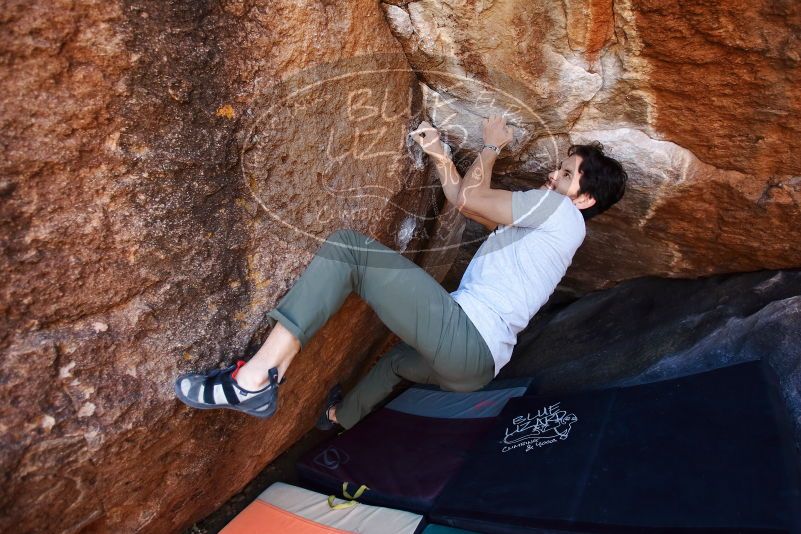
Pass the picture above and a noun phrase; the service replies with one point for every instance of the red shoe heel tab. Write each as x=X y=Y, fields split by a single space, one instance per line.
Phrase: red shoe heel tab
x=239 y=364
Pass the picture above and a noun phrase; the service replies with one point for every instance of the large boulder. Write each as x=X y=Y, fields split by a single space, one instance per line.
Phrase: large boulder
x=169 y=169
x=701 y=108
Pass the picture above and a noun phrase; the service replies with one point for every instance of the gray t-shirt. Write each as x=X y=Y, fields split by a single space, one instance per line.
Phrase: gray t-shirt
x=518 y=267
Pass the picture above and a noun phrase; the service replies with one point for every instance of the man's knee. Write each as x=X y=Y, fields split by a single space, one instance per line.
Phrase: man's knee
x=394 y=361
x=464 y=386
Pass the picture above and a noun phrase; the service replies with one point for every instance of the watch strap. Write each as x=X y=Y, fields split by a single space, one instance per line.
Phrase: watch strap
x=493 y=147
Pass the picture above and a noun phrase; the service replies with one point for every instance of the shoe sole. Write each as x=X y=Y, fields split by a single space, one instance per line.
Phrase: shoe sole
x=193 y=404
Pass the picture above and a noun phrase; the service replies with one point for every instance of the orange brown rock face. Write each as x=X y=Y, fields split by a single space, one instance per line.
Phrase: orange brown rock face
x=722 y=81
x=700 y=103
x=168 y=168
x=140 y=239
x=729 y=69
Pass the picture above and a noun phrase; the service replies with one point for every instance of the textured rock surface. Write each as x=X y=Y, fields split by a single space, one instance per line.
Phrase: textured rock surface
x=170 y=167
x=136 y=243
x=700 y=107
x=652 y=329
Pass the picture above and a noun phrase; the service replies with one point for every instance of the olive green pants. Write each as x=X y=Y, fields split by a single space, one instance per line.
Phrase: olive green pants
x=440 y=345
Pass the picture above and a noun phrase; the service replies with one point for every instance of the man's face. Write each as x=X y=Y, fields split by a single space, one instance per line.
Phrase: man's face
x=565 y=180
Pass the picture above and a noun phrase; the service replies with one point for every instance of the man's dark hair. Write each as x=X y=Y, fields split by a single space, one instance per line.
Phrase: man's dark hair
x=602 y=177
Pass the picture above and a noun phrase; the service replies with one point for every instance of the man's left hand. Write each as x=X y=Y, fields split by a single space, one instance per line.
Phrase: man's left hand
x=496 y=132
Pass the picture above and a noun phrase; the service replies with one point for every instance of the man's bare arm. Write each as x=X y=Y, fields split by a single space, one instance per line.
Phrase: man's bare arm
x=452 y=182
x=479 y=176
x=477 y=181
x=492 y=204
x=448 y=176
x=428 y=138
x=486 y=223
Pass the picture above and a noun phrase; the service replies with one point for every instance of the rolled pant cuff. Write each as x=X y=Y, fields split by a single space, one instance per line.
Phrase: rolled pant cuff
x=345 y=419
x=275 y=315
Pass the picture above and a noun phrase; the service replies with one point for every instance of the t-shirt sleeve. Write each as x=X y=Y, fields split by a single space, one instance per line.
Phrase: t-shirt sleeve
x=534 y=207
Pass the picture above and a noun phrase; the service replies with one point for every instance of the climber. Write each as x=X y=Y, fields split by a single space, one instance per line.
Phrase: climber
x=458 y=340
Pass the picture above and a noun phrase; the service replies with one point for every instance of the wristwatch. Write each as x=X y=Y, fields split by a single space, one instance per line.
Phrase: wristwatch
x=493 y=147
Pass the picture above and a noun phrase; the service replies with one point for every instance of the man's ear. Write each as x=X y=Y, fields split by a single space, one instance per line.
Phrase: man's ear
x=584 y=201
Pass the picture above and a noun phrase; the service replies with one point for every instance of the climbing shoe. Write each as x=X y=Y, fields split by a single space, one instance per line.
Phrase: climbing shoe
x=218 y=389
x=333 y=399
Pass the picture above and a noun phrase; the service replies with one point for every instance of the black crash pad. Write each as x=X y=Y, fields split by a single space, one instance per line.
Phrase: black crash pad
x=707 y=452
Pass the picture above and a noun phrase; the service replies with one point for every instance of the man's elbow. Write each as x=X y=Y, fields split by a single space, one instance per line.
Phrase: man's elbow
x=468 y=200
x=461 y=204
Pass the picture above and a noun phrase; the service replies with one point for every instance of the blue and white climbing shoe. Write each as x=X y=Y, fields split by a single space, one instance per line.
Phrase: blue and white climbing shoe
x=218 y=389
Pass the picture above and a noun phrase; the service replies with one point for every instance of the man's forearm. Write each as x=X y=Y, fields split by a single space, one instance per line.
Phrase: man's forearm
x=449 y=177
x=479 y=176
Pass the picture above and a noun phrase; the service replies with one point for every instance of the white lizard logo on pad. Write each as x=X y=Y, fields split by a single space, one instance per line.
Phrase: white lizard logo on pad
x=548 y=425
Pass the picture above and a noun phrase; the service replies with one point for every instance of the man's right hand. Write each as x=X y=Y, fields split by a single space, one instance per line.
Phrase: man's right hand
x=428 y=138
